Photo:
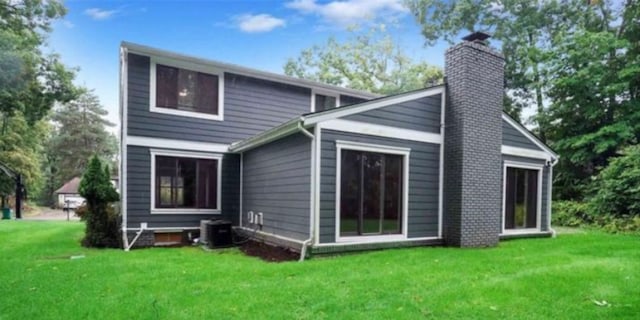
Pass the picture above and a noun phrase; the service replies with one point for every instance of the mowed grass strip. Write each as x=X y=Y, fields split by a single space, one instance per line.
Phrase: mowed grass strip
x=584 y=275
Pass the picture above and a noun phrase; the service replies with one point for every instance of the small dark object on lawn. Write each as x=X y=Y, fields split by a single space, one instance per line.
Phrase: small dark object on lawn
x=268 y=253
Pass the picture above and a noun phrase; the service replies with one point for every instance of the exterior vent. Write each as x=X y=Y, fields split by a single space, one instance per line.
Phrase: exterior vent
x=203 y=231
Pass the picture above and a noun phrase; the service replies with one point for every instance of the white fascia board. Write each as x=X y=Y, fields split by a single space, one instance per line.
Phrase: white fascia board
x=231 y=68
x=529 y=135
x=370 y=105
x=381 y=131
x=266 y=136
x=525 y=153
x=176 y=144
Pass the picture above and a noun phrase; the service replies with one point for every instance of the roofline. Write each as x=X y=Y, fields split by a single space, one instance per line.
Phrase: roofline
x=522 y=129
x=232 y=68
x=267 y=136
x=310 y=119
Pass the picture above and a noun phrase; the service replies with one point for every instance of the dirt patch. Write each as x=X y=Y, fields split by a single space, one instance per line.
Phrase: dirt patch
x=268 y=253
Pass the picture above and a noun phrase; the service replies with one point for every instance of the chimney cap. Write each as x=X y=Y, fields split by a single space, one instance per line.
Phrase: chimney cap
x=476 y=36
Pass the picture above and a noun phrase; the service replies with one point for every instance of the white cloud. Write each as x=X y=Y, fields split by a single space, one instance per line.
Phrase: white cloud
x=68 y=24
x=100 y=14
x=258 y=23
x=349 y=12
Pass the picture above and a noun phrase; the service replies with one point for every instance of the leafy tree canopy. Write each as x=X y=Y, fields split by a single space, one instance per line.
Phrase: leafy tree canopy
x=368 y=61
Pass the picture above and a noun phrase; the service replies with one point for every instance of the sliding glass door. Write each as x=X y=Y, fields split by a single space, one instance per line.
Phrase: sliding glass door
x=370 y=193
x=521 y=198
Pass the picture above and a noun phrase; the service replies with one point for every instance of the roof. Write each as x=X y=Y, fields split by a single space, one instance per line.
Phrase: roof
x=145 y=50
x=71 y=187
x=309 y=119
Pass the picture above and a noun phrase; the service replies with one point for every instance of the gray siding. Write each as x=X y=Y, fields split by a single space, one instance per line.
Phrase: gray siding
x=421 y=114
x=276 y=181
x=349 y=100
x=423 y=183
x=250 y=106
x=139 y=193
x=546 y=178
x=512 y=137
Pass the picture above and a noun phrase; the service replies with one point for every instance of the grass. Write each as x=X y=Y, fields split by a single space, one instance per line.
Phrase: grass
x=562 y=278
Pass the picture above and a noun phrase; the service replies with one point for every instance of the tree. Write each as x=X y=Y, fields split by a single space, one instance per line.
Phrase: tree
x=525 y=29
x=80 y=132
x=30 y=83
x=595 y=94
x=368 y=61
x=22 y=152
x=102 y=225
x=617 y=191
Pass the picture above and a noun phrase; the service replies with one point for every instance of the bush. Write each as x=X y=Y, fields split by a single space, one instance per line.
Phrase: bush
x=617 y=187
x=570 y=214
x=103 y=225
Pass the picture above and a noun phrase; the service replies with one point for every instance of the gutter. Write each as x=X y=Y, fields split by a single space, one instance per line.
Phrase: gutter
x=285 y=129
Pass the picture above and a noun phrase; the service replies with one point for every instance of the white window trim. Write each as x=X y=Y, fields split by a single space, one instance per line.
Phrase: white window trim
x=357 y=146
x=184 y=154
x=191 y=67
x=522 y=165
x=327 y=93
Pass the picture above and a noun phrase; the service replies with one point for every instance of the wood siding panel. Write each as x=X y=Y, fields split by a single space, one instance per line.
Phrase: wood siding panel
x=512 y=137
x=250 y=106
x=421 y=114
x=276 y=182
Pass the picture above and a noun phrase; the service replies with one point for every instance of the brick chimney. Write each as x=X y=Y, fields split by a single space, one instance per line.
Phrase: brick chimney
x=474 y=75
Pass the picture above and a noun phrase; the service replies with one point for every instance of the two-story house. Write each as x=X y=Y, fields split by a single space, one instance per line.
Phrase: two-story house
x=324 y=168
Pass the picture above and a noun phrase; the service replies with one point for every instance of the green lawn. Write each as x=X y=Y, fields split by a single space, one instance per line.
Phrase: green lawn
x=521 y=279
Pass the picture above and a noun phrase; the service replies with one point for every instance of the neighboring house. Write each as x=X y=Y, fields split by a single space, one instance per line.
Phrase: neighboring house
x=68 y=196
x=334 y=169
x=69 y=192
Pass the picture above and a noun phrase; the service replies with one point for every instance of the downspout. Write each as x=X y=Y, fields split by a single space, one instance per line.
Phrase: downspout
x=553 y=163
x=122 y=173
x=143 y=226
x=305 y=243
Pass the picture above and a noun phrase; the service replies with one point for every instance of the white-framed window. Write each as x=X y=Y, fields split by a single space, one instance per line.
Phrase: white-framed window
x=185 y=182
x=372 y=183
x=522 y=197
x=324 y=100
x=186 y=89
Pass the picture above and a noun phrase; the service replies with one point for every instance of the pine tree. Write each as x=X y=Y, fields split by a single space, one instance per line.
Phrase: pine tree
x=102 y=224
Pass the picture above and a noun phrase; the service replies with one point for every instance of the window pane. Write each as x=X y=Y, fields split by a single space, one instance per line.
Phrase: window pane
x=166 y=86
x=350 y=169
x=207 y=184
x=392 y=218
x=521 y=192
x=187 y=182
x=187 y=82
x=373 y=192
x=207 y=97
x=324 y=102
x=370 y=193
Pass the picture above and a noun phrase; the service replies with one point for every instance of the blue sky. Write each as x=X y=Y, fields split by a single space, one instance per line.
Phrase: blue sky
x=259 y=34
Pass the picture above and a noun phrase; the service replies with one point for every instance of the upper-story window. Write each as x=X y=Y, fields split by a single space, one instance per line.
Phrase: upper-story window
x=323 y=101
x=186 y=92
